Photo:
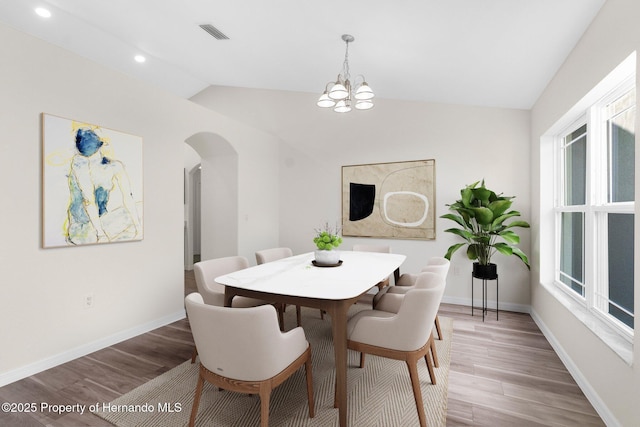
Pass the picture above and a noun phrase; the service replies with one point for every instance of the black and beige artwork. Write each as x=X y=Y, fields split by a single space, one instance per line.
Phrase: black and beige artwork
x=389 y=200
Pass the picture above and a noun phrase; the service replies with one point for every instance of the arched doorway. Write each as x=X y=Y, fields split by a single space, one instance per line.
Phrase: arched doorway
x=218 y=201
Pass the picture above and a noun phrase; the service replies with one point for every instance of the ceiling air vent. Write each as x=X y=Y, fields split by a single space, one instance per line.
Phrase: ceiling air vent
x=216 y=33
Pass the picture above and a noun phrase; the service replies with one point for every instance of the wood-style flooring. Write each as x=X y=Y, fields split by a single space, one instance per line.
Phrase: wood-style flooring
x=503 y=373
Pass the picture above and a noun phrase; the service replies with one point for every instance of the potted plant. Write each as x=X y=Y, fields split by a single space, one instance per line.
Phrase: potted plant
x=482 y=215
x=327 y=240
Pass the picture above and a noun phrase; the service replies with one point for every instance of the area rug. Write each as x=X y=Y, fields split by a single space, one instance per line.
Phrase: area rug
x=378 y=395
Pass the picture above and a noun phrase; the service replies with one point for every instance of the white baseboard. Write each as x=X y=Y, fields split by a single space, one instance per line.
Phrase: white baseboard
x=83 y=350
x=506 y=306
x=591 y=394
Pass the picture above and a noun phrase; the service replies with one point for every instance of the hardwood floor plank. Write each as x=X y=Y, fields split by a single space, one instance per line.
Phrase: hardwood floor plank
x=517 y=378
x=113 y=380
x=477 y=384
x=523 y=410
x=570 y=402
x=459 y=413
x=119 y=361
x=18 y=420
x=77 y=420
x=87 y=392
x=509 y=362
x=487 y=417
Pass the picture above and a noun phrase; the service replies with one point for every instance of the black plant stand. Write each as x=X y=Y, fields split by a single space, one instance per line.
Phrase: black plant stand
x=484 y=294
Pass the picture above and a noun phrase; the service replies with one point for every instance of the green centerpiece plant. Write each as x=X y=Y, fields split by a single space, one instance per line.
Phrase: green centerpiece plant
x=327 y=240
x=486 y=225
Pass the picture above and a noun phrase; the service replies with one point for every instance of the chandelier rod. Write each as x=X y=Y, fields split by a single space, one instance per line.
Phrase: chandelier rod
x=347 y=38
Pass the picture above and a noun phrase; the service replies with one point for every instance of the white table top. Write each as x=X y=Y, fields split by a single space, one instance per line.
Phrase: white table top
x=297 y=276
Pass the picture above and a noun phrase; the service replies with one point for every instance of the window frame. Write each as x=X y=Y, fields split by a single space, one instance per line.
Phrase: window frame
x=595 y=209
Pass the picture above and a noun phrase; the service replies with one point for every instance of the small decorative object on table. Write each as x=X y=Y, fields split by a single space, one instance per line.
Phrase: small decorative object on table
x=327 y=240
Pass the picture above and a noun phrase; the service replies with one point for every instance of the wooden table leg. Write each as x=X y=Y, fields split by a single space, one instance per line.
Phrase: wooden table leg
x=339 y=328
x=228 y=296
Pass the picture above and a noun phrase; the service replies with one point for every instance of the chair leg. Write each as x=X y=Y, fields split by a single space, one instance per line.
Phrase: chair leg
x=432 y=374
x=265 y=394
x=307 y=369
x=298 y=315
x=196 y=401
x=194 y=354
x=362 y=360
x=322 y=314
x=438 y=330
x=434 y=353
x=417 y=393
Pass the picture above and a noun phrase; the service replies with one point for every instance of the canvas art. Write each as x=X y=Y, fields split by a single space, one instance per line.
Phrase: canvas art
x=92 y=184
x=389 y=200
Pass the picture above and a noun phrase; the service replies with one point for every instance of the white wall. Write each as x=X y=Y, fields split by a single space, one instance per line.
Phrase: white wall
x=611 y=384
x=138 y=285
x=468 y=144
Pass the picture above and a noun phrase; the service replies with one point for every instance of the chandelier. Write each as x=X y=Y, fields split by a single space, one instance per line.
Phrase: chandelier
x=338 y=95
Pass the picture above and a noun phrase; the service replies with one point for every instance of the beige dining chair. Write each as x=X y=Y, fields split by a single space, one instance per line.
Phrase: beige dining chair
x=244 y=351
x=392 y=302
x=213 y=292
x=401 y=336
x=438 y=265
x=369 y=297
x=274 y=254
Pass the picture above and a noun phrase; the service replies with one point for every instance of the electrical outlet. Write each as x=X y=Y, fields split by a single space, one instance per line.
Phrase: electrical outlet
x=88 y=300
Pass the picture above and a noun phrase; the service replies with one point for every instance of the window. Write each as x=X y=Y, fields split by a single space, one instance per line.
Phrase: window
x=594 y=207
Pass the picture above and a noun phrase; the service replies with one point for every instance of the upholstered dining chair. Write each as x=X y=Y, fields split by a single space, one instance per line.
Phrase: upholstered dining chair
x=274 y=254
x=438 y=265
x=391 y=302
x=400 y=336
x=243 y=350
x=213 y=292
x=369 y=297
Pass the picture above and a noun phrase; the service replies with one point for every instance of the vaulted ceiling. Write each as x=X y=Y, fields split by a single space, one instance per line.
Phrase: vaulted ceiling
x=476 y=52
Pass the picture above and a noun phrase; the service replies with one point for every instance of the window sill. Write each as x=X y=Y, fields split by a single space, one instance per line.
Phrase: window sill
x=612 y=338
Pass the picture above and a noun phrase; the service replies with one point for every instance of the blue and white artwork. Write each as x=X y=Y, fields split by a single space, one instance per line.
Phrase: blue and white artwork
x=92 y=184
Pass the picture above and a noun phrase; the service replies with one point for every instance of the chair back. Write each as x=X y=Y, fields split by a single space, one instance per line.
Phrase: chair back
x=273 y=254
x=418 y=309
x=386 y=249
x=427 y=280
x=206 y=271
x=439 y=265
x=242 y=343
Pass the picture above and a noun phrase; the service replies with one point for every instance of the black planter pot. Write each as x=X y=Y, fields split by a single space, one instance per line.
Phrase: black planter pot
x=486 y=272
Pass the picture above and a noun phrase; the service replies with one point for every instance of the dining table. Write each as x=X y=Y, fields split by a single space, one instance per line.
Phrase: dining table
x=298 y=280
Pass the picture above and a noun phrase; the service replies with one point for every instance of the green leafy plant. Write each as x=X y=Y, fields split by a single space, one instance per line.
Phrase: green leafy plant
x=482 y=215
x=327 y=238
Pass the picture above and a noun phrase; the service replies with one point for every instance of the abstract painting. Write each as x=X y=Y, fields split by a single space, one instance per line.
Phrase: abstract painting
x=92 y=184
x=389 y=200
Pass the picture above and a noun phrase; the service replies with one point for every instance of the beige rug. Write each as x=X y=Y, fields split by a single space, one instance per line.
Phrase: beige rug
x=378 y=395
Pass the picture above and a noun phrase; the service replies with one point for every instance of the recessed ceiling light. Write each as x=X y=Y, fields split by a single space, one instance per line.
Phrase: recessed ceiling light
x=140 y=58
x=45 y=13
